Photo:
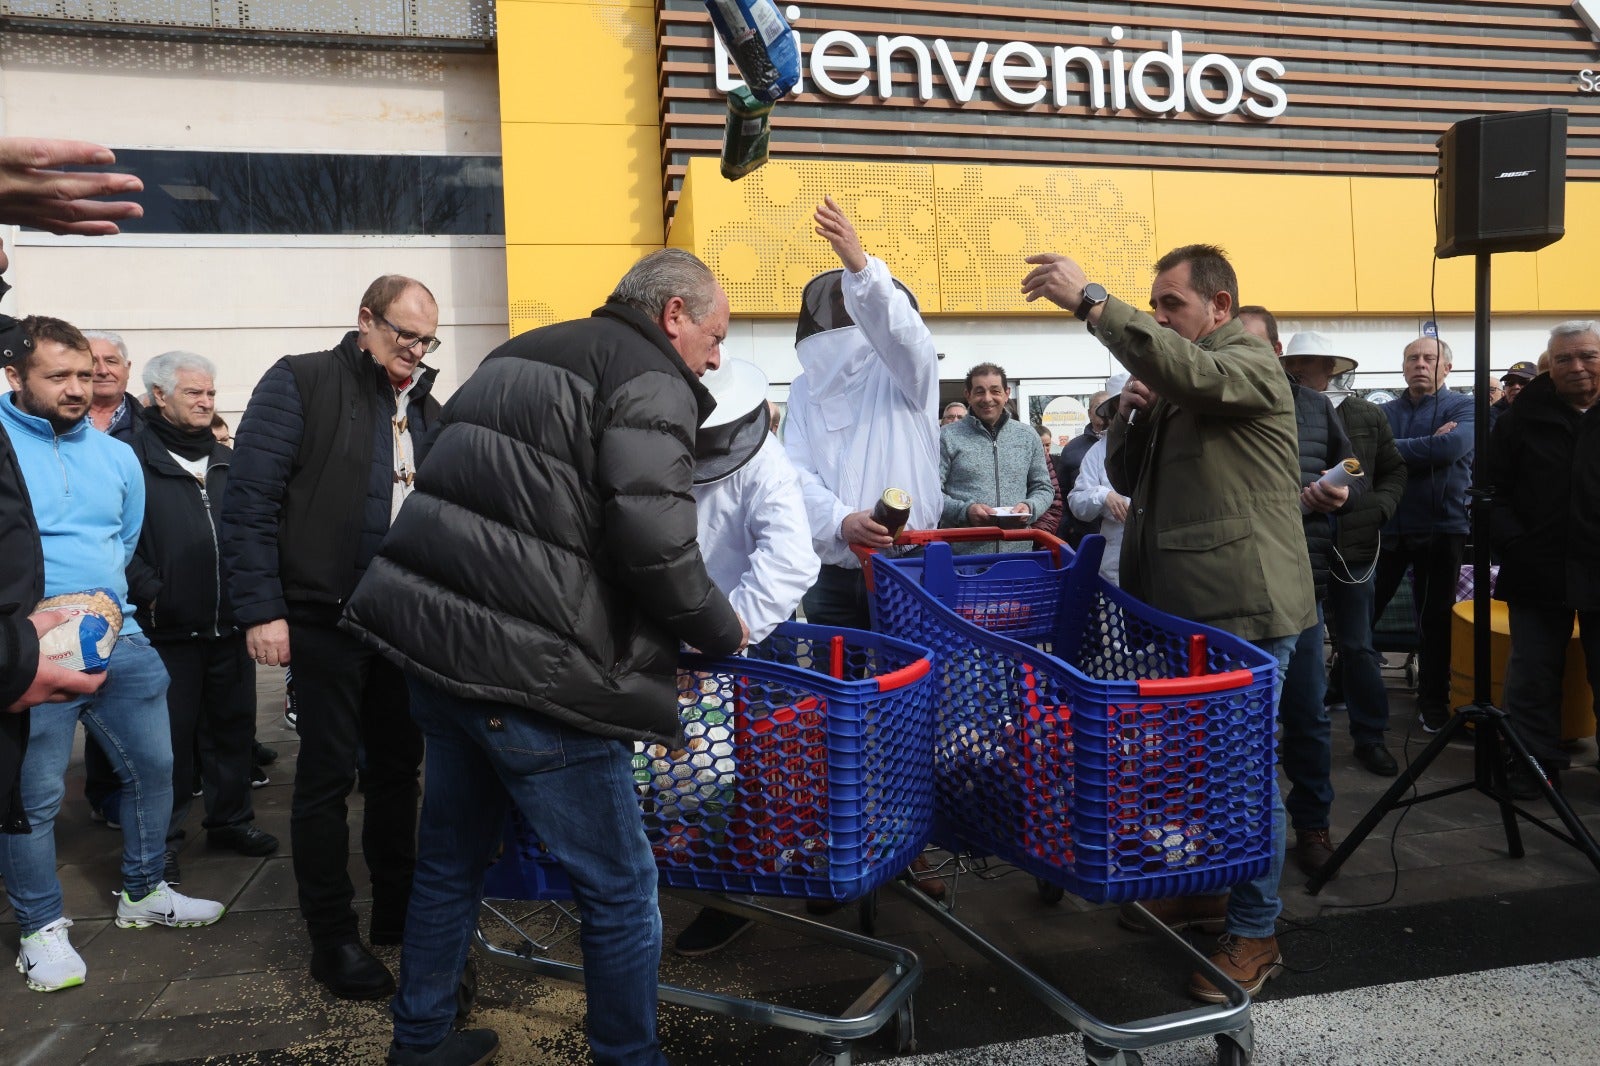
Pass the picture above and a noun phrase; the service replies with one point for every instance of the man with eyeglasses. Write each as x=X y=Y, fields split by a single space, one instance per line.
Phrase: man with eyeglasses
x=325 y=455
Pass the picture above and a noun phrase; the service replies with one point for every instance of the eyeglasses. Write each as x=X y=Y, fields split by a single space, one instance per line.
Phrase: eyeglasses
x=408 y=339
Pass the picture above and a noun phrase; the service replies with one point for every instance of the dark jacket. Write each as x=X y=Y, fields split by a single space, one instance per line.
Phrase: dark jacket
x=1066 y=464
x=1323 y=444
x=1357 y=529
x=21 y=587
x=175 y=575
x=1438 y=465
x=548 y=556
x=1544 y=465
x=128 y=421
x=1050 y=521
x=309 y=493
x=1214 y=533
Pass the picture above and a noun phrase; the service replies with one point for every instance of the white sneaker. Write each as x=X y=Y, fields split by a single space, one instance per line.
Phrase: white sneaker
x=166 y=906
x=47 y=960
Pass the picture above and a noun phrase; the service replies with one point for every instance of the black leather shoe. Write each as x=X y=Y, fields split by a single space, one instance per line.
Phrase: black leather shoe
x=469 y=1047
x=245 y=839
x=261 y=755
x=350 y=971
x=1375 y=758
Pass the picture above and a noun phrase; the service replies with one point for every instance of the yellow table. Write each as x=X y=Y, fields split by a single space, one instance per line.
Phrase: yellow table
x=1577 y=702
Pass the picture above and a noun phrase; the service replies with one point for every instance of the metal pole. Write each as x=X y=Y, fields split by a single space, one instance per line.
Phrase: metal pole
x=1481 y=491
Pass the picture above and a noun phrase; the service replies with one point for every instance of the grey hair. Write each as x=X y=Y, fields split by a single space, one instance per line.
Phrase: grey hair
x=660 y=276
x=107 y=335
x=162 y=371
x=1444 y=348
x=1575 y=327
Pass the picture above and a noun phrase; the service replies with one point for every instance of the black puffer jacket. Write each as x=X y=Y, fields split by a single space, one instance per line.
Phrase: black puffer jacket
x=1322 y=445
x=21 y=586
x=548 y=556
x=1360 y=526
x=1544 y=461
x=175 y=575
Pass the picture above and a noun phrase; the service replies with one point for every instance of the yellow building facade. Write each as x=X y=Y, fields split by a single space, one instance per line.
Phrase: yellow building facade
x=592 y=183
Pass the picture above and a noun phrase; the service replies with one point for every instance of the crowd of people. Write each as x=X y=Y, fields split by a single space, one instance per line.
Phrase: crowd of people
x=489 y=596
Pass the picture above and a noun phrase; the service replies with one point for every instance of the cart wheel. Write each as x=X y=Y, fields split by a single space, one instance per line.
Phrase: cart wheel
x=905 y=1030
x=867 y=914
x=831 y=1052
x=1100 y=1055
x=1047 y=892
x=1230 y=1053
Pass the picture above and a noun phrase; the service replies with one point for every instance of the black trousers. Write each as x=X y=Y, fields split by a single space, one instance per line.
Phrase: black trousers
x=351 y=701
x=1435 y=559
x=212 y=701
x=1540 y=640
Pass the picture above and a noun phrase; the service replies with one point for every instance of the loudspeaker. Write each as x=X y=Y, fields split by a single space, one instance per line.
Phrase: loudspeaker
x=1503 y=183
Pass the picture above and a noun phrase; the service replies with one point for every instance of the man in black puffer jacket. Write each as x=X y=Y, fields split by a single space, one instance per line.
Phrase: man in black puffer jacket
x=1307 y=745
x=1544 y=461
x=326 y=452
x=535 y=590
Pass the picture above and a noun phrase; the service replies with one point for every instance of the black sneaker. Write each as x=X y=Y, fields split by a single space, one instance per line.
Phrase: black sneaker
x=108 y=811
x=711 y=931
x=262 y=755
x=1375 y=759
x=171 y=874
x=468 y=1047
x=259 y=778
x=244 y=838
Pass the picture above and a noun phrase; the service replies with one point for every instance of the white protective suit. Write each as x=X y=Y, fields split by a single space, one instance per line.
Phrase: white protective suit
x=755 y=539
x=1087 y=502
x=863 y=412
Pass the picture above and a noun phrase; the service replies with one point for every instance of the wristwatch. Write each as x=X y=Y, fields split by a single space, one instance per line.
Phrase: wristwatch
x=1094 y=294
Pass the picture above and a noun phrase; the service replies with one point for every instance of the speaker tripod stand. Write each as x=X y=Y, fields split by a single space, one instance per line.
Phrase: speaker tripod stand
x=1490 y=727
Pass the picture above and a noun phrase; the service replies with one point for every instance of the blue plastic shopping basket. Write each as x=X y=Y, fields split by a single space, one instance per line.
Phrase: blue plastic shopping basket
x=804 y=773
x=1109 y=749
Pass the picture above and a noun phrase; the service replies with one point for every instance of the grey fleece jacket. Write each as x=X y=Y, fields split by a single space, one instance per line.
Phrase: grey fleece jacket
x=1001 y=469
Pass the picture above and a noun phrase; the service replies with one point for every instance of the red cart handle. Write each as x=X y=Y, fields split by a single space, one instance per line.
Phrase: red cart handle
x=912 y=537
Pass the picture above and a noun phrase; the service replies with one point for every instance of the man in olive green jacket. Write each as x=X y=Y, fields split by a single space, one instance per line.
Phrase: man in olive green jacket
x=1205 y=444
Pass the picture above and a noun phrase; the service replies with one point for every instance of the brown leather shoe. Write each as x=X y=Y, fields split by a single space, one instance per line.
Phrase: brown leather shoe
x=1312 y=849
x=932 y=887
x=1247 y=960
x=1208 y=914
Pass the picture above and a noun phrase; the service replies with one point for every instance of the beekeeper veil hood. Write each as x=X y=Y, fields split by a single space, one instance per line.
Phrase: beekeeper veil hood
x=739 y=426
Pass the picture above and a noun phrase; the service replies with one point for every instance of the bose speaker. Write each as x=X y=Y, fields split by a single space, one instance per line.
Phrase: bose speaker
x=1503 y=183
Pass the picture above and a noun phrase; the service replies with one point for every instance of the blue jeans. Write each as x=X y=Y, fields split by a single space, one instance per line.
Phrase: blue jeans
x=128 y=716
x=576 y=791
x=1254 y=906
x=1366 y=701
x=1307 y=746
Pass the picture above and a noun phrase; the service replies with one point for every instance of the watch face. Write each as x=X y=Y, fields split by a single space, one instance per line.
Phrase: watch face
x=1094 y=292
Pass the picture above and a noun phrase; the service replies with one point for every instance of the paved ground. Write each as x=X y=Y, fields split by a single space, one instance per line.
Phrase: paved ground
x=1381 y=959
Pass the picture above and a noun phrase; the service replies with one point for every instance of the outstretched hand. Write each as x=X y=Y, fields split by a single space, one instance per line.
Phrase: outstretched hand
x=835 y=228
x=33 y=193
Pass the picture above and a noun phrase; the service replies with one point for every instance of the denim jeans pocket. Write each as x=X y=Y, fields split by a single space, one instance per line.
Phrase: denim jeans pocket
x=523 y=743
x=138 y=640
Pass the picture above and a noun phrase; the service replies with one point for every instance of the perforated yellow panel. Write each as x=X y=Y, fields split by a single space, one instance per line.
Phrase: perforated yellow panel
x=990 y=219
x=756 y=234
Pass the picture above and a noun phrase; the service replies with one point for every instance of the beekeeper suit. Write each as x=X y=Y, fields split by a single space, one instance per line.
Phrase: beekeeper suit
x=862 y=418
x=754 y=536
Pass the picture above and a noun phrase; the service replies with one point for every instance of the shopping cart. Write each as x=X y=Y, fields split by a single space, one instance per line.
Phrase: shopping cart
x=804 y=774
x=1109 y=749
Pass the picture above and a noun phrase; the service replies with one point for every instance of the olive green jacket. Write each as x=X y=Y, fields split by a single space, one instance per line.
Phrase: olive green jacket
x=1212 y=467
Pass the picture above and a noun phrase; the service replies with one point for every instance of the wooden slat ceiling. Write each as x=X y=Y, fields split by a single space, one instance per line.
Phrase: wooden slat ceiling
x=1371 y=85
